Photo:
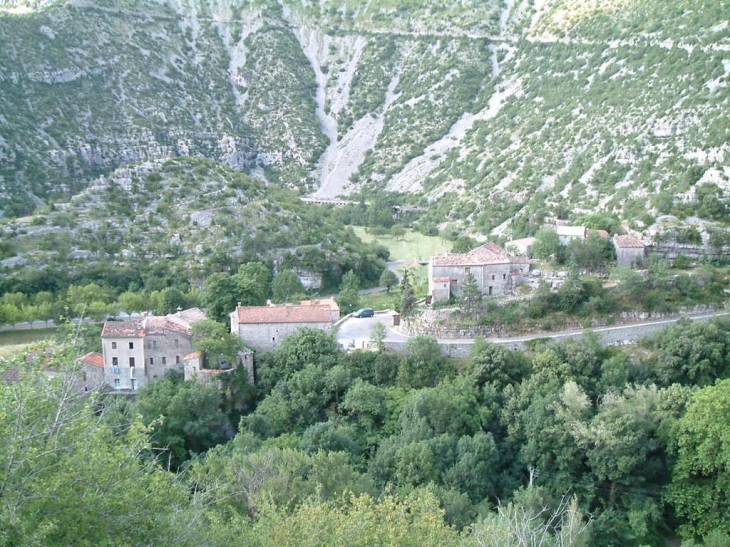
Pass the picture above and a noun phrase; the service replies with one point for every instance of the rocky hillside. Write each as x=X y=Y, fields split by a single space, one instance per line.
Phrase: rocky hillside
x=488 y=110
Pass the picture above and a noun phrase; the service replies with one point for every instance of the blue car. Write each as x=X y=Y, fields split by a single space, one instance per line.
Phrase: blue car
x=364 y=312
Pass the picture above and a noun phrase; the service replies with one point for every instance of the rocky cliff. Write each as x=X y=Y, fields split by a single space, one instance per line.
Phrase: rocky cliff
x=496 y=112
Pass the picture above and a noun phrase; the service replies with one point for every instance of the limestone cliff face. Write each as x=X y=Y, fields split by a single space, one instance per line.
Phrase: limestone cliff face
x=494 y=111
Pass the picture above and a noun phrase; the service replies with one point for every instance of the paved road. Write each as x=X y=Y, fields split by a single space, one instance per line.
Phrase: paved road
x=393 y=267
x=354 y=332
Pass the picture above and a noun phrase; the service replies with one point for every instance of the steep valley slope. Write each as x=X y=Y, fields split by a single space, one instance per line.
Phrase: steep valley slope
x=489 y=111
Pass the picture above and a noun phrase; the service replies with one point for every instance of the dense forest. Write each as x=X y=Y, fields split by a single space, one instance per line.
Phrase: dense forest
x=568 y=443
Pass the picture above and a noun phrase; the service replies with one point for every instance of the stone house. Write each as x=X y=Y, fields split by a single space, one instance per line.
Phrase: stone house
x=566 y=234
x=521 y=246
x=93 y=373
x=136 y=352
x=194 y=367
x=263 y=328
x=630 y=251
x=493 y=268
x=331 y=302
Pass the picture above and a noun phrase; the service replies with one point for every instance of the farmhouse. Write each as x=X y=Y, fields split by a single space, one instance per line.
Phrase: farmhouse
x=492 y=267
x=630 y=251
x=135 y=352
x=265 y=327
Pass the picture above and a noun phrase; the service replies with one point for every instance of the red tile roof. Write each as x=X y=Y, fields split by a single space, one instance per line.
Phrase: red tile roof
x=123 y=329
x=602 y=233
x=193 y=355
x=488 y=248
x=477 y=257
x=628 y=242
x=153 y=325
x=284 y=314
x=93 y=358
x=441 y=280
x=330 y=302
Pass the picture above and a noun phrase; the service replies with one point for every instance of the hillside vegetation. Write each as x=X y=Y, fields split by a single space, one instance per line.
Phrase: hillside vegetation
x=489 y=110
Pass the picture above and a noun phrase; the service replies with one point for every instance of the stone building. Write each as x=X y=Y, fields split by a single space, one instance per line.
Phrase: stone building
x=93 y=373
x=194 y=367
x=492 y=267
x=331 y=302
x=135 y=352
x=265 y=327
x=566 y=234
x=630 y=251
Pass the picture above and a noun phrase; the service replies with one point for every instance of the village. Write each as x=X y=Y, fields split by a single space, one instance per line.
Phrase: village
x=140 y=350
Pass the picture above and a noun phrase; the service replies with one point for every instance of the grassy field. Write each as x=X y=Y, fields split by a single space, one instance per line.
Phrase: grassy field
x=14 y=340
x=414 y=246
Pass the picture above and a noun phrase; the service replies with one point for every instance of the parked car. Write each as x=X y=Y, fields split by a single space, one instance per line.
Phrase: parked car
x=364 y=312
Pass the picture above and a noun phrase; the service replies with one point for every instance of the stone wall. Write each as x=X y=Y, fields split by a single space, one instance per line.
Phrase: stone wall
x=673 y=250
x=607 y=336
x=441 y=324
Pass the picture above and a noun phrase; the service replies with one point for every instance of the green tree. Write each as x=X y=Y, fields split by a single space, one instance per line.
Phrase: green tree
x=377 y=335
x=219 y=296
x=423 y=364
x=286 y=286
x=306 y=346
x=219 y=346
x=251 y=284
x=388 y=279
x=131 y=302
x=398 y=232
x=413 y=521
x=471 y=296
x=67 y=479
x=494 y=363
x=185 y=417
x=349 y=300
x=547 y=244
x=700 y=487
x=407 y=297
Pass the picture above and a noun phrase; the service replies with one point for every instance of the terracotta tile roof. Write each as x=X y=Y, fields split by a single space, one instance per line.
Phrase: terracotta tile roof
x=602 y=233
x=628 y=242
x=488 y=249
x=441 y=280
x=123 y=329
x=193 y=355
x=153 y=325
x=523 y=241
x=474 y=258
x=284 y=314
x=93 y=358
x=331 y=302
x=190 y=316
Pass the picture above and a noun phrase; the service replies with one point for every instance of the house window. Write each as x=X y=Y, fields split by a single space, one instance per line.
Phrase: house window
x=114 y=345
x=176 y=342
x=504 y=276
x=177 y=359
x=152 y=360
x=131 y=345
x=154 y=344
x=164 y=360
x=115 y=361
x=492 y=277
x=116 y=382
x=490 y=291
x=467 y=270
x=131 y=362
